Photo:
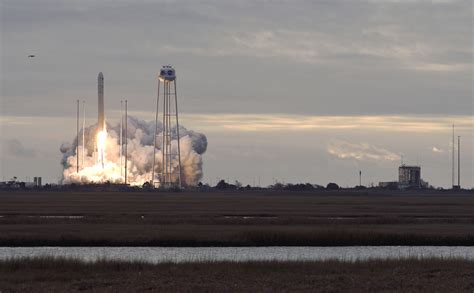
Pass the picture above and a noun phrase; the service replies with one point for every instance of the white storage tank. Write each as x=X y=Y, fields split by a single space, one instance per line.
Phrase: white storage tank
x=167 y=73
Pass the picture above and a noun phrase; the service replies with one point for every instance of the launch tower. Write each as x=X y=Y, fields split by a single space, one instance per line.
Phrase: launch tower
x=169 y=171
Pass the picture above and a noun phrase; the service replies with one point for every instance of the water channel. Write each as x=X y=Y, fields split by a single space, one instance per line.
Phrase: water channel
x=238 y=254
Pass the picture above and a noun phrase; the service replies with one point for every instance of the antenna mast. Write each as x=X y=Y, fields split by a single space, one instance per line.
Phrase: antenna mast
x=77 y=138
x=126 y=141
x=459 y=162
x=120 y=139
x=83 y=133
x=452 y=171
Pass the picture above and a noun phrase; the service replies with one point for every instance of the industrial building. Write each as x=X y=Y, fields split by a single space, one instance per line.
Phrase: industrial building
x=409 y=176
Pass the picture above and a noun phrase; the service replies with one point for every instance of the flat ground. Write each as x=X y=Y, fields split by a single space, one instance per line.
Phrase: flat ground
x=47 y=275
x=236 y=218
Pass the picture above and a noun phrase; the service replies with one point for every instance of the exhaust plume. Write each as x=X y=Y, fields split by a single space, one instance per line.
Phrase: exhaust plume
x=140 y=135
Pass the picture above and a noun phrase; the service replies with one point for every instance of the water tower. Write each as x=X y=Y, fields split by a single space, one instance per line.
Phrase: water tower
x=168 y=174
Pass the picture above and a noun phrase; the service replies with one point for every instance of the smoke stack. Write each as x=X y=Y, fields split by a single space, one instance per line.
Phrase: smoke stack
x=100 y=92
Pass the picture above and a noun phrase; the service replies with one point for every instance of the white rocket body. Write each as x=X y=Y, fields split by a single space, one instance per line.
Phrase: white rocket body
x=101 y=118
x=100 y=89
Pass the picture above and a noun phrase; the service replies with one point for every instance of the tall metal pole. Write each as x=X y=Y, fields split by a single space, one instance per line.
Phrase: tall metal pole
x=77 y=138
x=177 y=132
x=452 y=173
x=83 y=133
x=360 y=177
x=154 y=141
x=120 y=138
x=126 y=142
x=459 y=162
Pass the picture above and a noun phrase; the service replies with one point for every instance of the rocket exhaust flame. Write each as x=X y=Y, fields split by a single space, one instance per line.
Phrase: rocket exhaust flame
x=101 y=144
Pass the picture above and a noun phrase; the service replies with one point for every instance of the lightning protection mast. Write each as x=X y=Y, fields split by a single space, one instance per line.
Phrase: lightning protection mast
x=169 y=169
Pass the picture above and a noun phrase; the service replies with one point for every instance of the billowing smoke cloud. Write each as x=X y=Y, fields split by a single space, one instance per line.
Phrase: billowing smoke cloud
x=140 y=135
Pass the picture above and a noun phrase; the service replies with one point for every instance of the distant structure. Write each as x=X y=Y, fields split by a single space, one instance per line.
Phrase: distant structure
x=458 y=186
x=459 y=162
x=389 y=185
x=37 y=181
x=452 y=160
x=409 y=176
x=169 y=174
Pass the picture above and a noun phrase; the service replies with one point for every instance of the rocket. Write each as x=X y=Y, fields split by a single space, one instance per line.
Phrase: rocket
x=100 y=91
x=101 y=120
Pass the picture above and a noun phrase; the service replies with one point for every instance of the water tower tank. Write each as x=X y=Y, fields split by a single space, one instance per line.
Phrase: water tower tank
x=167 y=73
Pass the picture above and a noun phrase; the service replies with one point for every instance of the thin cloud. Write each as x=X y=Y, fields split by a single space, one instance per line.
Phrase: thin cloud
x=437 y=150
x=360 y=152
x=281 y=122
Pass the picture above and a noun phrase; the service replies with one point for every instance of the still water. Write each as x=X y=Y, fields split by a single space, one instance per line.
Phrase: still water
x=193 y=254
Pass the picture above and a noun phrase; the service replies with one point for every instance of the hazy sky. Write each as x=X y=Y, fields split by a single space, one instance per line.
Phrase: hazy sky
x=296 y=91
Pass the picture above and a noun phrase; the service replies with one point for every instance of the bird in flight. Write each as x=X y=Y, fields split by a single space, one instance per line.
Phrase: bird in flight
x=31 y=56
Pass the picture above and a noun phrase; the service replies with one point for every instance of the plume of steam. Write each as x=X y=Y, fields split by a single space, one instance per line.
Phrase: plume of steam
x=140 y=135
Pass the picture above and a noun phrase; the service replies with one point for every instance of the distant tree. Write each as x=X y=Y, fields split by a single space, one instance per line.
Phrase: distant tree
x=332 y=186
x=147 y=185
x=277 y=186
x=299 y=187
x=222 y=185
x=238 y=185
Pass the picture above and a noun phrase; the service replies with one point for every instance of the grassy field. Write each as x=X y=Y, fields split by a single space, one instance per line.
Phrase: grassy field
x=411 y=275
x=235 y=218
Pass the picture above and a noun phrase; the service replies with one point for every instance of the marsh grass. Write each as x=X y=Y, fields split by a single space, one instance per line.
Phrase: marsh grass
x=47 y=274
x=235 y=218
x=246 y=237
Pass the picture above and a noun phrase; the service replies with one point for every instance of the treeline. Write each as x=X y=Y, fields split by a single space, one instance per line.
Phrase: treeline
x=223 y=185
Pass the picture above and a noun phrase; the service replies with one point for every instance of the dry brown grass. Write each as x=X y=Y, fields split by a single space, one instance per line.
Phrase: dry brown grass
x=235 y=219
x=409 y=275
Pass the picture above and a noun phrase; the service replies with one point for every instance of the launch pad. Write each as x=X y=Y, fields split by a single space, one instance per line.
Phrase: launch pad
x=106 y=159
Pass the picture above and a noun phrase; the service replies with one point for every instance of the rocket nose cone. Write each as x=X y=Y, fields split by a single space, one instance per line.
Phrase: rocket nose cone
x=100 y=75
